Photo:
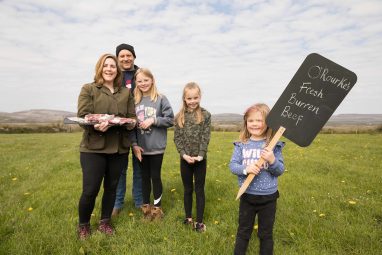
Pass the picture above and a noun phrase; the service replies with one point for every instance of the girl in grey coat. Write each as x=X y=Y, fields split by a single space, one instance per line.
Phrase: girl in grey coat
x=154 y=115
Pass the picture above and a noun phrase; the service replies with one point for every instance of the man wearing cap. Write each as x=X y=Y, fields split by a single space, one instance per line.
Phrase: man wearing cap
x=126 y=55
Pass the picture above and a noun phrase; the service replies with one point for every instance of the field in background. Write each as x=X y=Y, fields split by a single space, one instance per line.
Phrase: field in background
x=30 y=128
x=330 y=203
x=51 y=121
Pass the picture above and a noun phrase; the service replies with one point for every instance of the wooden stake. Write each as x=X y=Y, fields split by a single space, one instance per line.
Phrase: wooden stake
x=260 y=162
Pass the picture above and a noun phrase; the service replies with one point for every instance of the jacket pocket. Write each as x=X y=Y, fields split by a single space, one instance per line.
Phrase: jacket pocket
x=96 y=141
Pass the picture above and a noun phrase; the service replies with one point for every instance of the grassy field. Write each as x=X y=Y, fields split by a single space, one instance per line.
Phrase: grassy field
x=330 y=200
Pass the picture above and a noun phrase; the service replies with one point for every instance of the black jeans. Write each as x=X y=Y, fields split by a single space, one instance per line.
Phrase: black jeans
x=95 y=168
x=151 y=172
x=188 y=173
x=265 y=208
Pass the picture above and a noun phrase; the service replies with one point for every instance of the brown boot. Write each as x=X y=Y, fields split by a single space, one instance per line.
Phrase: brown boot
x=146 y=210
x=156 y=213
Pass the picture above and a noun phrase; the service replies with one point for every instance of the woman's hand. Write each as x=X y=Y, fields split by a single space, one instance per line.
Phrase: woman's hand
x=103 y=126
x=138 y=152
x=268 y=155
x=146 y=123
x=189 y=159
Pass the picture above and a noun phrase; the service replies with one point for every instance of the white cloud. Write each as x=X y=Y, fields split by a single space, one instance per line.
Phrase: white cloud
x=239 y=51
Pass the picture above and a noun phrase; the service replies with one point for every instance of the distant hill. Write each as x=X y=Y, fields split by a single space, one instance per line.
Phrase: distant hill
x=340 y=119
x=34 y=116
x=53 y=116
x=227 y=117
x=355 y=119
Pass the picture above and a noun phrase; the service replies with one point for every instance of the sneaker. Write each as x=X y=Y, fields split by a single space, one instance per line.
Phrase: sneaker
x=146 y=210
x=156 y=213
x=83 y=231
x=200 y=227
x=188 y=221
x=105 y=227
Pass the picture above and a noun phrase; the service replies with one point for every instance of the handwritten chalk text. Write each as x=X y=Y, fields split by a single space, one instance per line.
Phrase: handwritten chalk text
x=290 y=115
x=306 y=106
x=310 y=90
x=319 y=72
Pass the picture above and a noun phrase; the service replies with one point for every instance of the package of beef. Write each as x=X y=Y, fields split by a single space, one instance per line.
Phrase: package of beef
x=98 y=118
x=92 y=119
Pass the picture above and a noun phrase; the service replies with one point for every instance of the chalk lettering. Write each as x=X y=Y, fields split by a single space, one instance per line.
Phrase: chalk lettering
x=287 y=114
x=318 y=72
x=294 y=101
x=310 y=90
x=343 y=84
x=328 y=78
x=314 y=72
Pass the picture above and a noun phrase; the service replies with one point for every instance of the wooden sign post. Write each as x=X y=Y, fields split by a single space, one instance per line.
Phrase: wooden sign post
x=311 y=97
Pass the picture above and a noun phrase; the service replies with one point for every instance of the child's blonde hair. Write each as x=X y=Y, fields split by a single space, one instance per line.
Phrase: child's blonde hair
x=179 y=118
x=264 y=110
x=153 y=90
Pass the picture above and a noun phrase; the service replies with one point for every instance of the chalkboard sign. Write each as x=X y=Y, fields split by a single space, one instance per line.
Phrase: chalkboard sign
x=310 y=98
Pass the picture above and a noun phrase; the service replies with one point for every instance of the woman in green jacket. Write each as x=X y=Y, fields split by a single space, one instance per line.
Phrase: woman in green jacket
x=104 y=148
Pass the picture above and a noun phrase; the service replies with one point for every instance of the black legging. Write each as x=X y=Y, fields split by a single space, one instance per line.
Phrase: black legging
x=95 y=168
x=264 y=206
x=188 y=173
x=151 y=172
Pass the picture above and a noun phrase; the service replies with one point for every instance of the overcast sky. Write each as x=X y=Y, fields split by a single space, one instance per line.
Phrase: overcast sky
x=239 y=51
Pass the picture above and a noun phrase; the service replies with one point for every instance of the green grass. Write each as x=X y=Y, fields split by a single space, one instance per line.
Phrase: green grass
x=316 y=212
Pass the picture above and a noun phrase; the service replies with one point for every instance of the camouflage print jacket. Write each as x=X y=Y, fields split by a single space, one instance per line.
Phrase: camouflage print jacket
x=193 y=138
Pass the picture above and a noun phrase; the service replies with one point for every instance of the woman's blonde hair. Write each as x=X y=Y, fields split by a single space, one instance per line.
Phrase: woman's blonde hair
x=98 y=79
x=153 y=90
x=179 y=117
x=264 y=110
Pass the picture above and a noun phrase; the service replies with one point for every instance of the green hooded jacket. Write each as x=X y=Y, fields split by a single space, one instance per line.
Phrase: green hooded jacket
x=97 y=99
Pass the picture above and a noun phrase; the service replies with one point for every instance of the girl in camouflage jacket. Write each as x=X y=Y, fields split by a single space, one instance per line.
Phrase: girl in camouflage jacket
x=191 y=136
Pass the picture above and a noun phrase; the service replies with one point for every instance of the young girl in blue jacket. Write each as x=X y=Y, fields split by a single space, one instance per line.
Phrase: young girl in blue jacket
x=261 y=196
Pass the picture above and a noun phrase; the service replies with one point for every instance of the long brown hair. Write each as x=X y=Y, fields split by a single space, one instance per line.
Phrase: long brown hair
x=264 y=110
x=98 y=79
x=153 y=90
x=179 y=117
